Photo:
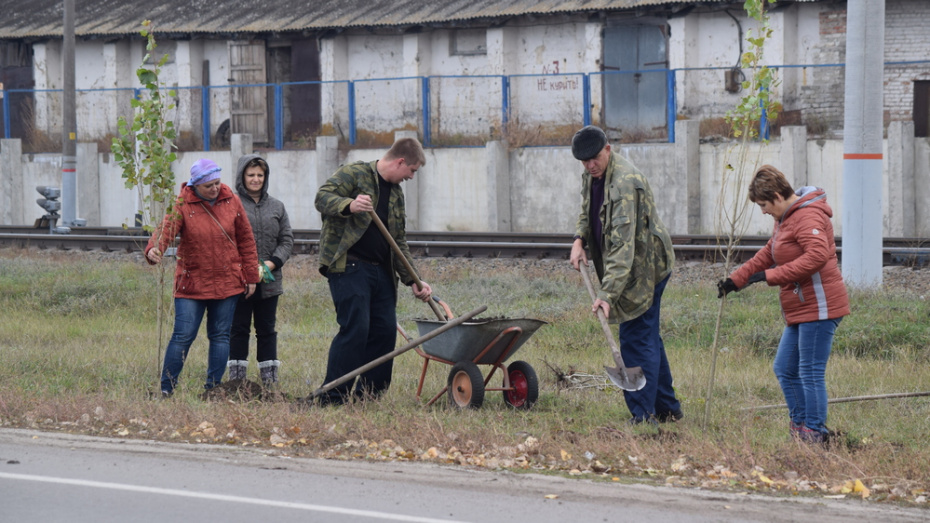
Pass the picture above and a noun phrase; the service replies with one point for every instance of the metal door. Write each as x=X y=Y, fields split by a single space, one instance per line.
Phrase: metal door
x=635 y=99
x=248 y=105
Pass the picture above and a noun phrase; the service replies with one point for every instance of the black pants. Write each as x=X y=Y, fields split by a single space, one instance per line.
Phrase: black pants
x=265 y=313
x=365 y=301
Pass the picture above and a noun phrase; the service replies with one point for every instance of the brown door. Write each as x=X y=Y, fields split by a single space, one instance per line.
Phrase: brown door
x=248 y=105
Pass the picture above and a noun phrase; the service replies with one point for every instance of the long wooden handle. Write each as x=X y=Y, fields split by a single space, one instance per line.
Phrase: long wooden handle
x=403 y=259
x=583 y=269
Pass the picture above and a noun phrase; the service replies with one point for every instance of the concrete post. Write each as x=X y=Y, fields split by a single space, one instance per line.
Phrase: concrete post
x=327 y=161
x=239 y=145
x=11 y=182
x=921 y=188
x=498 y=187
x=862 y=144
x=901 y=189
x=412 y=187
x=792 y=159
x=688 y=153
x=88 y=184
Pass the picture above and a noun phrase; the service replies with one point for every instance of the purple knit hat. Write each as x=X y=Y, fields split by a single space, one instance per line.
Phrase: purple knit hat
x=204 y=171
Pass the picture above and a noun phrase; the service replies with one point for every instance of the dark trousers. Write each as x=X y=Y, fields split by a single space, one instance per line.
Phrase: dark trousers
x=641 y=346
x=365 y=300
x=265 y=313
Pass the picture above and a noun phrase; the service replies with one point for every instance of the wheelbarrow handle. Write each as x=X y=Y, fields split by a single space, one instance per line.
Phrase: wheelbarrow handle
x=397 y=352
x=403 y=259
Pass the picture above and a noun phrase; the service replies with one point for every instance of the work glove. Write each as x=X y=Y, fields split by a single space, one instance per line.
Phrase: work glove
x=725 y=287
x=264 y=274
x=759 y=276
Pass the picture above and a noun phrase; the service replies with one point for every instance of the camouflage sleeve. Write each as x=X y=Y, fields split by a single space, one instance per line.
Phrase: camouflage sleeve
x=337 y=193
x=621 y=247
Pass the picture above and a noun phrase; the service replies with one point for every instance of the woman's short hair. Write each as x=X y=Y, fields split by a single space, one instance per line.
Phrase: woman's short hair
x=258 y=162
x=766 y=183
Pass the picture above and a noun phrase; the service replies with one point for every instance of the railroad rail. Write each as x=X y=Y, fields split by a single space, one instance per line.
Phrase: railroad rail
x=896 y=251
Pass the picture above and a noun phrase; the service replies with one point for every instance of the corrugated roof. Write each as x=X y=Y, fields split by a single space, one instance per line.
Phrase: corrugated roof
x=38 y=18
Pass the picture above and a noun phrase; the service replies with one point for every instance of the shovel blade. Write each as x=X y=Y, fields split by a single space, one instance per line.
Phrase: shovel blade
x=627 y=378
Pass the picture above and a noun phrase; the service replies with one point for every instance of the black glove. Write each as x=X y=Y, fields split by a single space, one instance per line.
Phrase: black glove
x=725 y=287
x=757 y=277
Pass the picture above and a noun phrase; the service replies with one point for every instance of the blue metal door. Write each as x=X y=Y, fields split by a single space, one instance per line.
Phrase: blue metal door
x=634 y=96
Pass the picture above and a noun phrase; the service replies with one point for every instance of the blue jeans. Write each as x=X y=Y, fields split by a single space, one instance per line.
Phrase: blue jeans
x=366 y=301
x=800 y=366
x=188 y=314
x=641 y=346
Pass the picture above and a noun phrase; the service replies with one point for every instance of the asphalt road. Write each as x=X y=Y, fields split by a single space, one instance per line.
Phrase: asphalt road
x=49 y=477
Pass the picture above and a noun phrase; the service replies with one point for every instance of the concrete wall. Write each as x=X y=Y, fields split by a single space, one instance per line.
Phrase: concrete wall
x=492 y=188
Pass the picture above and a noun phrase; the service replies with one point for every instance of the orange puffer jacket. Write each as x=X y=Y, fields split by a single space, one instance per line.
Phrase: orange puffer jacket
x=210 y=266
x=800 y=257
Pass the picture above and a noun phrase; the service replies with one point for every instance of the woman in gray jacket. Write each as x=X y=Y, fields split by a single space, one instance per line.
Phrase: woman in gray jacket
x=274 y=240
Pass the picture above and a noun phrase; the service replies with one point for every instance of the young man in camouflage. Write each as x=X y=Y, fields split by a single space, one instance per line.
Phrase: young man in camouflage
x=361 y=267
x=633 y=257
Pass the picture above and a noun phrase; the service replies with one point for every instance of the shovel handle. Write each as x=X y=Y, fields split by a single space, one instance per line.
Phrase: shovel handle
x=403 y=259
x=583 y=269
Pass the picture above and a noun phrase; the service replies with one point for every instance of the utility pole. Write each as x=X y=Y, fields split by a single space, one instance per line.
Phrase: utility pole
x=68 y=122
x=862 y=144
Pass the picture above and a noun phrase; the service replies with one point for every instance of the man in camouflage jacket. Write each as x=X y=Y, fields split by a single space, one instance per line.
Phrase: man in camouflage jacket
x=360 y=265
x=632 y=254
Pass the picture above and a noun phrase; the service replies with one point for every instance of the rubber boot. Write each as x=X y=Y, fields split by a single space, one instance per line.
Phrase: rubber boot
x=238 y=369
x=269 y=372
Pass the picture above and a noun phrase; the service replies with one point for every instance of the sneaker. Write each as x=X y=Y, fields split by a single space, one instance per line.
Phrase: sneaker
x=810 y=435
x=165 y=394
x=795 y=429
x=670 y=417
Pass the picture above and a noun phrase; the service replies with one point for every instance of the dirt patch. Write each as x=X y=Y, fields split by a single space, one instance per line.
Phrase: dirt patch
x=243 y=391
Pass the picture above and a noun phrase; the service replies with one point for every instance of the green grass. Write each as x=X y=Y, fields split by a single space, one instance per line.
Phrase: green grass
x=78 y=340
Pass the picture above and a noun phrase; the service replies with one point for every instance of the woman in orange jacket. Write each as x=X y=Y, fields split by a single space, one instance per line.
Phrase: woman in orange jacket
x=216 y=262
x=800 y=258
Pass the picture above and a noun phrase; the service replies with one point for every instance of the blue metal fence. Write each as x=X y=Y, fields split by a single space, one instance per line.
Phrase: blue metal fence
x=425 y=82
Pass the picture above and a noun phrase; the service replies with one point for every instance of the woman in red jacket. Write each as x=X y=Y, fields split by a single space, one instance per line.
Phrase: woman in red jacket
x=800 y=258
x=216 y=262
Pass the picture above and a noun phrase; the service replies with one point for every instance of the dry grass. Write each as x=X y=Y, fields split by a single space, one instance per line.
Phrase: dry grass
x=78 y=357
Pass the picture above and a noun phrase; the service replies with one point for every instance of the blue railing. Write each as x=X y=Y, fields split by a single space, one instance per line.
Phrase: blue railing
x=351 y=86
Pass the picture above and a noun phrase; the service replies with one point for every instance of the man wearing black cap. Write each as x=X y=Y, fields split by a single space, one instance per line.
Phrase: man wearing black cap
x=632 y=254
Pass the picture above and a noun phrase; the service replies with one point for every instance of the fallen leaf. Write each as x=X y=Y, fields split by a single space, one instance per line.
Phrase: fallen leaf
x=565 y=455
x=552 y=496
x=861 y=489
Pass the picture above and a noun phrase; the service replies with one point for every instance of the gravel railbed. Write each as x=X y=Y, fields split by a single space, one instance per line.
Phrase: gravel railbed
x=913 y=280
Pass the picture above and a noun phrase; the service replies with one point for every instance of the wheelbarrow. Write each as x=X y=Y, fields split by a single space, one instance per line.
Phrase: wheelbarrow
x=479 y=342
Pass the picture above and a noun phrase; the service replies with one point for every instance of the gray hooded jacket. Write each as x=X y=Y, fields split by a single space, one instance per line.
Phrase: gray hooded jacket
x=270 y=225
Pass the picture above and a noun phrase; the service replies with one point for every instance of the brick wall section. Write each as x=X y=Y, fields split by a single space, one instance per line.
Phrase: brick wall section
x=907 y=38
x=822 y=97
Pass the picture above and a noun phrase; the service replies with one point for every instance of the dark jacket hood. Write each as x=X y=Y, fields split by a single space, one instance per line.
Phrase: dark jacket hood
x=240 y=176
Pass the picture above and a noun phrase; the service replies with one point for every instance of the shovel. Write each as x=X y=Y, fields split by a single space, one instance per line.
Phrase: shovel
x=631 y=378
x=403 y=259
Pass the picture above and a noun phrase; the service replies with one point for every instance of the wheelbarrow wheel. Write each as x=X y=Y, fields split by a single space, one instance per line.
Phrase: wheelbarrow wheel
x=524 y=386
x=466 y=386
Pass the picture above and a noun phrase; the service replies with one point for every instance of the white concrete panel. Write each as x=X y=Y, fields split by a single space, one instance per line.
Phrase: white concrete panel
x=546 y=189
x=452 y=186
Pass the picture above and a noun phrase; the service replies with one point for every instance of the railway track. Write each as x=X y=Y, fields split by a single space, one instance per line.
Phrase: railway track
x=896 y=251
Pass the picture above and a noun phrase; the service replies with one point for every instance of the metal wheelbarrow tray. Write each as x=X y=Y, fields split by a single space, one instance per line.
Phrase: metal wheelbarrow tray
x=481 y=342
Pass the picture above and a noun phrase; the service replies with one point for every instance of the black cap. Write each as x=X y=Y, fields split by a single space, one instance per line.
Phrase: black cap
x=588 y=142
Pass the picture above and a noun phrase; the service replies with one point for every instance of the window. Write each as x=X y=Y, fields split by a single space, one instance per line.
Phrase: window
x=468 y=42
